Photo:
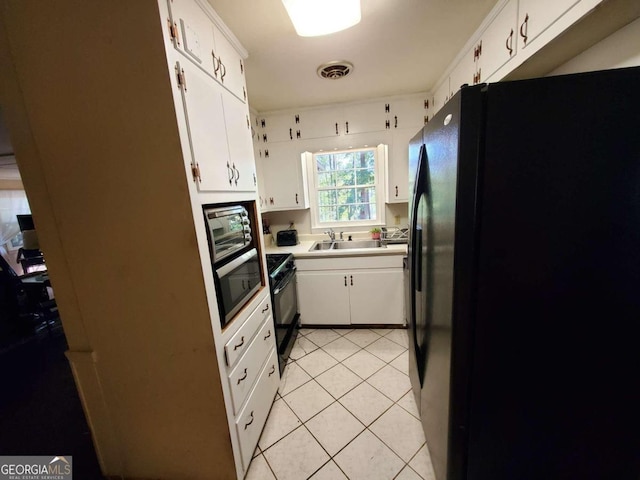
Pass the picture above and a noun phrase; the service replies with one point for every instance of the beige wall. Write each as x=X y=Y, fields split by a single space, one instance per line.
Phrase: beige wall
x=87 y=98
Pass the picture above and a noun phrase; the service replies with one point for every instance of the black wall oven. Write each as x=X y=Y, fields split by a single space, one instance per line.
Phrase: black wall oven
x=237 y=269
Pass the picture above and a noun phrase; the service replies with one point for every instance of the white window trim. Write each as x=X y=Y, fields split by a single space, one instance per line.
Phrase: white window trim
x=381 y=153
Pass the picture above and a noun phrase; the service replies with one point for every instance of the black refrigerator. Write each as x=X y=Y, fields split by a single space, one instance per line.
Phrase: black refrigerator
x=523 y=288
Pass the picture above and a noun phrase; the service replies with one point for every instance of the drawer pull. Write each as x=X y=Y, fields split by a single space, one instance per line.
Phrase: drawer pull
x=240 y=344
x=273 y=370
x=265 y=309
x=245 y=376
x=268 y=335
x=247 y=424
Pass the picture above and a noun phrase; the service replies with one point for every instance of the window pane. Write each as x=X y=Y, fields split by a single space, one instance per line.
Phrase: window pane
x=344 y=178
x=344 y=161
x=346 y=195
x=326 y=179
x=327 y=197
x=328 y=214
x=366 y=195
x=323 y=163
x=366 y=177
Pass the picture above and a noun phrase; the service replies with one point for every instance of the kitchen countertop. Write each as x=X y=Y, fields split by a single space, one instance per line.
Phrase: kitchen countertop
x=302 y=250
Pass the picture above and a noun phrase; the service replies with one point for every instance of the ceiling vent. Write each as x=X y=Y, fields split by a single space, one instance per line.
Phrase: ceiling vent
x=335 y=70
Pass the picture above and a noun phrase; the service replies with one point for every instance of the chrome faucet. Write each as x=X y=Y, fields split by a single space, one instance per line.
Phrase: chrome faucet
x=341 y=236
x=332 y=234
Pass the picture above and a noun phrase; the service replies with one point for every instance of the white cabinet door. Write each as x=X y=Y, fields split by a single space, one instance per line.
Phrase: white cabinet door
x=229 y=65
x=441 y=95
x=279 y=128
x=193 y=32
x=285 y=187
x=202 y=98
x=398 y=165
x=408 y=112
x=240 y=145
x=365 y=117
x=462 y=74
x=320 y=123
x=376 y=296
x=535 y=16
x=323 y=298
x=499 y=41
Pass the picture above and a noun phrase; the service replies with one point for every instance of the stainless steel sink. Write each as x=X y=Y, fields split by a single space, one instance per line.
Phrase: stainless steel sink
x=345 y=245
x=358 y=244
x=321 y=246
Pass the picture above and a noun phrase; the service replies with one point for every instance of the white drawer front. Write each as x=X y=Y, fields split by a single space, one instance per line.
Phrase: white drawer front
x=251 y=420
x=248 y=367
x=242 y=338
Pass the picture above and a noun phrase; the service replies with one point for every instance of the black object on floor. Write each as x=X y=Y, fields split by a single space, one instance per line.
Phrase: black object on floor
x=40 y=410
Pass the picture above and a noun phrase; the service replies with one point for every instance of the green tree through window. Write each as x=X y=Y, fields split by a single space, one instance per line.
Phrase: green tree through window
x=346 y=185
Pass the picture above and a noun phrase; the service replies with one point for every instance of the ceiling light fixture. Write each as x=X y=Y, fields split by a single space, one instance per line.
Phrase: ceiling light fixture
x=313 y=18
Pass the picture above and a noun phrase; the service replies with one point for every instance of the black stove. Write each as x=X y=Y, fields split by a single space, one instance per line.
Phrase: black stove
x=284 y=297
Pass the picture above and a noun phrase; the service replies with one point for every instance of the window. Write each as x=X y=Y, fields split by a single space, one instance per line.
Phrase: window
x=347 y=187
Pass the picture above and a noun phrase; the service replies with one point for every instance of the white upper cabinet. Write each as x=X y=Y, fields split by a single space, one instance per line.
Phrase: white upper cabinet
x=238 y=127
x=228 y=65
x=285 y=178
x=318 y=123
x=463 y=73
x=192 y=33
x=206 y=129
x=278 y=128
x=398 y=165
x=535 y=16
x=366 y=117
x=409 y=112
x=499 y=41
x=195 y=34
x=441 y=95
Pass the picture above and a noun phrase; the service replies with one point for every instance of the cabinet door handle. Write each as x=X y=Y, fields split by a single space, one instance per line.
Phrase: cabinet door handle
x=524 y=28
x=336 y=129
x=509 y=43
x=240 y=344
x=224 y=71
x=296 y=199
x=291 y=133
x=396 y=121
x=255 y=181
x=396 y=190
x=351 y=276
x=273 y=370
x=268 y=335
x=230 y=173
x=345 y=280
x=250 y=422
x=347 y=126
x=245 y=376
x=236 y=175
x=216 y=64
x=265 y=309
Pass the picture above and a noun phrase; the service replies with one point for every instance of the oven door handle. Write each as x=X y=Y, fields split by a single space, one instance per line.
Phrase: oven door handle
x=235 y=263
x=288 y=281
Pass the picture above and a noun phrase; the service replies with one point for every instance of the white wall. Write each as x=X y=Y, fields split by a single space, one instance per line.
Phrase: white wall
x=620 y=49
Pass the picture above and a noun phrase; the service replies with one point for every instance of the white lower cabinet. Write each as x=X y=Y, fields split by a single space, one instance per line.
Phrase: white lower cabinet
x=253 y=377
x=358 y=293
x=251 y=420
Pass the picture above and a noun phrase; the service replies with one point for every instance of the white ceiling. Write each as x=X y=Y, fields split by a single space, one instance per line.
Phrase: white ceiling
x=400 y=46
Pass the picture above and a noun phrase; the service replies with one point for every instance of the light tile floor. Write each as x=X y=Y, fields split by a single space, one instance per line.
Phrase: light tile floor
x=344 y=410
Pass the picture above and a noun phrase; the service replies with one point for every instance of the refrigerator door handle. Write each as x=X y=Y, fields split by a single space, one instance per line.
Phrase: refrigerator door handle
x=418 y=260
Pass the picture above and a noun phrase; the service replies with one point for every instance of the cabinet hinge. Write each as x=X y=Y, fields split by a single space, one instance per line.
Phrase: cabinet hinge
x=297 y=117
x=173 y=32
x=264 y=137
x=266 y=154
x=297 y=133
x=195 y=172
x=426 y=119
x=263 y=122
x=248 y=123
x=244 y=93
x=386 y=124
x=426 y=104
x=255 y=180
x=386 y=108
x=241 y=67
x=182 y=79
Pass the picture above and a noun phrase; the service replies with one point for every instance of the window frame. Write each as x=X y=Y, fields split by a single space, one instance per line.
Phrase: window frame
x=380 y=159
